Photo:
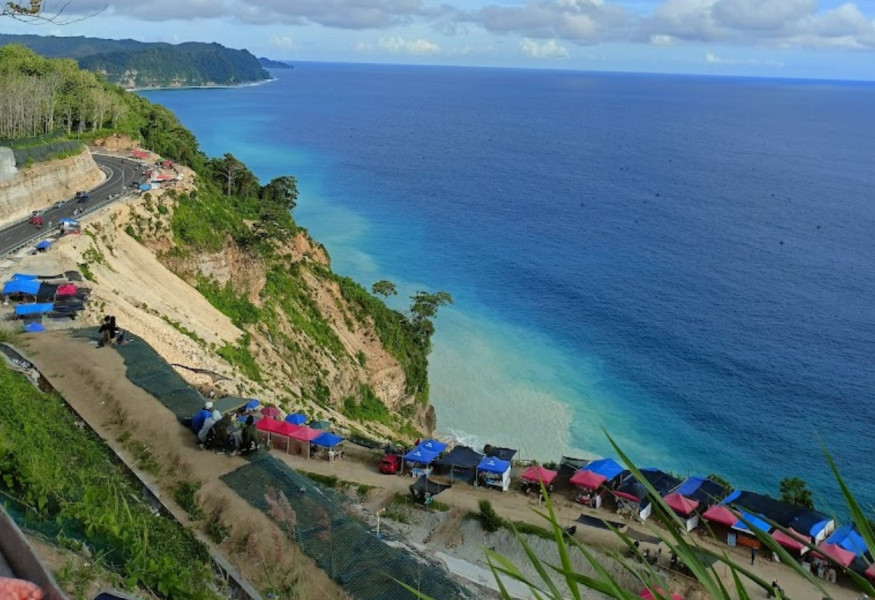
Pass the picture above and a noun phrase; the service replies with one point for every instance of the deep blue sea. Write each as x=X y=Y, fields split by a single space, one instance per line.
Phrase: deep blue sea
x=684 y=262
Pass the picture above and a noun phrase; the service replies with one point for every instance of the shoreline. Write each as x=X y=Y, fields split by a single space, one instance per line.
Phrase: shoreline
x=223 y=86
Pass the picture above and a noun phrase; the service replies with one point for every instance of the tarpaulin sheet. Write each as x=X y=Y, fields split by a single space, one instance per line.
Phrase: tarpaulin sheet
x=328 y=440
x=21 y=286
x=34 y=309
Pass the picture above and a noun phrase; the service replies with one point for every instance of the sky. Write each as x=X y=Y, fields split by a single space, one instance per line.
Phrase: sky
x=819 y=39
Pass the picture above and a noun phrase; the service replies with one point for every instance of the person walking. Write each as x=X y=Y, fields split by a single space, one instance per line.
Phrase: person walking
x=753 y=554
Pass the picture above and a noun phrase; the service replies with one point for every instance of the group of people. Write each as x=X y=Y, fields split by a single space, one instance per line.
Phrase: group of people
x=110 y=333
x=233 y=432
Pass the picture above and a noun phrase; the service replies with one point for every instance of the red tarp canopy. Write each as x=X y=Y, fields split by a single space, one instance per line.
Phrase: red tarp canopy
x=163 y=178
x=681 y=504
x=274 y=426
x=836 y=553
x=870 y=572
x=139 y=154
x=794 y=541
x=270 y=412
x=304 y=433
x=67 y=289
x=721 y=514
x=536 y=474
x=588 y=479
x=647 y=594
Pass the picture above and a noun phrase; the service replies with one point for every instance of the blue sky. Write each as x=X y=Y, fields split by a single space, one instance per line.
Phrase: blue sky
x=829 y=39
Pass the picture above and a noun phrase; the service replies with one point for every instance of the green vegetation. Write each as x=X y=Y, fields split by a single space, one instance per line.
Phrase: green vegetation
x=241 y=357
x=367 y=407
x=185 y=494
x=795 y=491
x=489 y=518
x=64 y=481
x=150 y=64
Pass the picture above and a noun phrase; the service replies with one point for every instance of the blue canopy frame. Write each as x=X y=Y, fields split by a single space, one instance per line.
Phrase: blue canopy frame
x=432 y=446
x=421 y=455
x=491 y=464
x=328 y=440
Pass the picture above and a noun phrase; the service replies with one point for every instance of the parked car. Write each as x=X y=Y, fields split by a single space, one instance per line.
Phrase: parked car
x=390 y=464
x=36 y=220
x=82 y=197
x=60 y=203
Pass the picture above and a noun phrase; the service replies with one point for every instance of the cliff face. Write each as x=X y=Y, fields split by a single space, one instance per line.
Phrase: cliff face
x=37 y=187
x=308 y=349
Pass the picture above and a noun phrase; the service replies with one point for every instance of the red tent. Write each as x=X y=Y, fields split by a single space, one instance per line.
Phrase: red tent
x=870 y=572
x=721 y=514
x=792 y=540
x=273 y=426
x=536 y=474
x=139 y=153
x=270 y=412
x=836 y=553
x=67 y=289
x=647 y=594
x=304 y=433
x=681 y=504
x=588 y=479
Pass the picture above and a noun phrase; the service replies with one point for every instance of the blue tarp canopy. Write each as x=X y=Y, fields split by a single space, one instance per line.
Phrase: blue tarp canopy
x=755 y=522
x=21 y=286
x=327 y=440
x=847 y=538
x=296 y=419
x=44 y=245
x=433 y=446
x=490 y=464
x=421 y=455
x=804 y=520
x=252 y=404
x=34 y=309
x=25 y=276
x=145 y=187
x=606 y=467
x=702 y=490
x=462 y=457
x=34 y=327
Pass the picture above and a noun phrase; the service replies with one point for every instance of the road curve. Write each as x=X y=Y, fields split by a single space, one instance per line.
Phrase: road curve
x=120 y=172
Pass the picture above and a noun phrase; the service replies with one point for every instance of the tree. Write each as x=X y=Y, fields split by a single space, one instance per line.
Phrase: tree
x=795 y=491
x=423 y=309
x=38 y=11
x=282 y=191
x=384 y=288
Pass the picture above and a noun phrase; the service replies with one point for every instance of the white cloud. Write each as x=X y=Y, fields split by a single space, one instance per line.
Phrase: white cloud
x=399 y=45
x=658 y=39
x=548 y=49
x=282 y=41
x=713 y=59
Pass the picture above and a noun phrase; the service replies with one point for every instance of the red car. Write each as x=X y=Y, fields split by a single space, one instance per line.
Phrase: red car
x=390 y=464
x=36 y=220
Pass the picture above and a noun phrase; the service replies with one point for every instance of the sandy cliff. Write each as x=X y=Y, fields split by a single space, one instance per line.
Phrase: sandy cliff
x=41 y=185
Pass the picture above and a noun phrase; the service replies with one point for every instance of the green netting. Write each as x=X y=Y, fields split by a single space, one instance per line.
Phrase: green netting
x=366 y=566
x=147 y=370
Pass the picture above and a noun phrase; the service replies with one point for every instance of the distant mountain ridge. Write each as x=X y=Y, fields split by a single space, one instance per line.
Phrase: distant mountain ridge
x=134 y=64
x=269 y=63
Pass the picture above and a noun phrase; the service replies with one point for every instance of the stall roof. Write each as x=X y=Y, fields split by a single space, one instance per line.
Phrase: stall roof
x=34 y=309
x=837 y=553
x=23 y=276
x=304 y=433
x=702 y=490
x=492 y=464
x=538 y=473
x=846 y=537
x=462 y=457
x=801 y=519
x=21 y=286
x=720 y=514
x=606 y=467
x=328 y=440
x=426 y=485
x=500 y=453
x=793 y=540
x=420 y=455
x=681 y=504
x=432 y=446
x=587 y=479
x=753 y=521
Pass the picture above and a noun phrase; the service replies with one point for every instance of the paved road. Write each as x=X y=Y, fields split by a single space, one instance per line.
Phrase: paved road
x=120 y=172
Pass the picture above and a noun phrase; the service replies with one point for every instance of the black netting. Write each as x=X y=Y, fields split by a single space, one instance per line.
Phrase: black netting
x=343 y=546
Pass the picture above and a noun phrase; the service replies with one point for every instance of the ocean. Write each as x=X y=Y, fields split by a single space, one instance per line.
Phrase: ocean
x=682 y=263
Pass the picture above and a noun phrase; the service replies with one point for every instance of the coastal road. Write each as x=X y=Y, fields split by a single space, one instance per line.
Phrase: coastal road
x=120 y=172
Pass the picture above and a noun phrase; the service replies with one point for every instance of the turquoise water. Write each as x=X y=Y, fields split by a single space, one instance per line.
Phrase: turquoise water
x=681 y=261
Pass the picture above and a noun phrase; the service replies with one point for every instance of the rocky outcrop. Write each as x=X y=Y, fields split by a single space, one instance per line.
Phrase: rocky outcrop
x=7 y=164
x=39 y=186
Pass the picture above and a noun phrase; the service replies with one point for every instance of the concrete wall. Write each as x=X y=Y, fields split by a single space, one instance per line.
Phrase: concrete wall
x=43 y=184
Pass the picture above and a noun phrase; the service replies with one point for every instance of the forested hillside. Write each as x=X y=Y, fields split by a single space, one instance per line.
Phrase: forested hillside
x=139 y=64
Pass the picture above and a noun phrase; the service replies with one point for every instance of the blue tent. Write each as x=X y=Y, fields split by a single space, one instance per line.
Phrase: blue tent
x=490 y=464
x=296 y=419
x=34 y=327
x=606 y=467
x=847 y=538
x=755 y=521
x=702 y=490
x=327 y=440
x=433 y=446
x=252 y=404
x=145 y=187
x=34 y=309
x=44 y=245
x=23 y=276
x=21 y=286
x=421 y=455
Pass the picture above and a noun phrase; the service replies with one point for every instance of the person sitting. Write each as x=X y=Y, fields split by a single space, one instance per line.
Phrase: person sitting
x=214 y=418
x=249 y=437
x=197 y=421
